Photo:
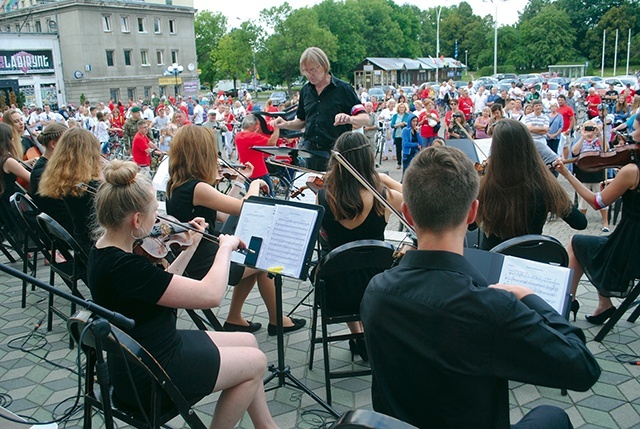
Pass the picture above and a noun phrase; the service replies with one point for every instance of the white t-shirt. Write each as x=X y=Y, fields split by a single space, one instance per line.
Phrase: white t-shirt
x=198 y=113
x=101 y=131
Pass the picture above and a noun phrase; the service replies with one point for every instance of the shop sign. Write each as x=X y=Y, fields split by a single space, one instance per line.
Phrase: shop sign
x=19 y=62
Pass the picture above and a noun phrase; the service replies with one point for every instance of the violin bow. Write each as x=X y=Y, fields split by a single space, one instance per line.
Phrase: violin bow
x=228 y=165
x=294 y=167
x=355 y=173
x=464 y=130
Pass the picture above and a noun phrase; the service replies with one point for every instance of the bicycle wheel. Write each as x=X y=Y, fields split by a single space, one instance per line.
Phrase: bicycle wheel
x=281 y=187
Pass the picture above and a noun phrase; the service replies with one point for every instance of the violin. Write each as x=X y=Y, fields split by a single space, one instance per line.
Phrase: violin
x=167 y=234
x=315 y=183
x=481 y=167
x=594 y=161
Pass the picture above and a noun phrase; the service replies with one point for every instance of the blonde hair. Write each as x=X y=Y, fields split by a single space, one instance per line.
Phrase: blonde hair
x=315 y=55
x=76 y=160
x=16 y=149
x=125 y=191
x=193 y=156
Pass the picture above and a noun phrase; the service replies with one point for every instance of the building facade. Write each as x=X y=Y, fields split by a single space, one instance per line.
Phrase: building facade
x=107 y=49
x=405 y=71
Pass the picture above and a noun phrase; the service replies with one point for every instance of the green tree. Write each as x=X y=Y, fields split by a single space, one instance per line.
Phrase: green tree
x=298 y=31
x=620 y=18
x=209 y=28
x=548 y=37
x=234 y=56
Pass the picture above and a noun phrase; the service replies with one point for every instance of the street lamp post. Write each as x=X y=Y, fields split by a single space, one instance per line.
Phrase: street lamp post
x=466 y=59
x=175 y=69
x=495 y=36
x=438 y=32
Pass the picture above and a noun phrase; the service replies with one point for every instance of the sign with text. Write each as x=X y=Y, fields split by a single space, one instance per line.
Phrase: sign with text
x=165 y=81
x=26 y=62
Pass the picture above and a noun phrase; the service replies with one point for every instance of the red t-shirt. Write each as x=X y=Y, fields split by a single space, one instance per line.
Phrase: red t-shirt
x=426 y=130
x=245 y=140
x=139 y=150
x=567 y=113
x=466 y=105
x=593 y=101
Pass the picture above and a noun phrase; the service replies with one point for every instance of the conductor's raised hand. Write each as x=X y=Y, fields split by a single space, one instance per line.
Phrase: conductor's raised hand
x=342 y=119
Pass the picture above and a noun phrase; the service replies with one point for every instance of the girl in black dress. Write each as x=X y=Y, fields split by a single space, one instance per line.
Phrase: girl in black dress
x=199 y=362
x=608 y=262
x=11 y=169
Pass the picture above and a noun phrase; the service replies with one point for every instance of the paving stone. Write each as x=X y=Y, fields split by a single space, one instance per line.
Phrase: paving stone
x=601 y=403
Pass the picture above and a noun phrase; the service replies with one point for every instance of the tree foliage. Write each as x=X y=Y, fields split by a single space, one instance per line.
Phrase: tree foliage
x=547 y=32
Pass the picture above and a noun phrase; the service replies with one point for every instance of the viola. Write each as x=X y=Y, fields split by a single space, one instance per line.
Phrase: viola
x=166 y=234
x=594 y=161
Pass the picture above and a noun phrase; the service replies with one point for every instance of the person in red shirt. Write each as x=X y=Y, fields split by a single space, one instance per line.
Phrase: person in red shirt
x=466 y=104
x=180 y=118
x=249 y=137
x=569 y=122
x=425 y=122
x=142 y=146
x=593 y=100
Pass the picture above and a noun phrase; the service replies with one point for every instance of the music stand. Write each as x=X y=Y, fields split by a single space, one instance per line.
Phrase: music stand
x=294 y=153
x=281 y=235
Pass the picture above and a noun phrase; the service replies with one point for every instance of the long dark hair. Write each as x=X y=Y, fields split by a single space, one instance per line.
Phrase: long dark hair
x=6 y=147
x=342 y=189
x=515 y=177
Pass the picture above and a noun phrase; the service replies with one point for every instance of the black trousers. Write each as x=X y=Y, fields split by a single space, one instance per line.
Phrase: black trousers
x=398 y=142
x=544 y=417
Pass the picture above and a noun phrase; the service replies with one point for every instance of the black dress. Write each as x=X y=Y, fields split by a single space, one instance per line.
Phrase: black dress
x=51 y=206
x=131 y=285
x=82 y=212
x=609 y=262
x=10 y=188
x=180 y=205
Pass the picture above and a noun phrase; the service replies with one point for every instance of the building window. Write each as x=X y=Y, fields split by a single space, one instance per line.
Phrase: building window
x=127 y=57
x=172 y=26
x=106 y=22
x=131 y=93
x=141 y=25
x=160 y=57
x=110 y=58
x=17 y=28
x=147 y=93
x=27 y=27
x=157 y=26
x=38 y=27
x=144 y=57
x=174 y=57
x=124 y=24
x=114 y=93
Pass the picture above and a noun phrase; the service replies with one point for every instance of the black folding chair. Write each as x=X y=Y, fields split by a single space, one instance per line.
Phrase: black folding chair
x=72 y=269
x=340 y=281
x=630 y=300
x=367 y=419
x=96 y=336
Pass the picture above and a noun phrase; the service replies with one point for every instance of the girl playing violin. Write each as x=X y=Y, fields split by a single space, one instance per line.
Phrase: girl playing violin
x=11 y=168
x=351 y=211
x=76 y=160
x=606 y=260
x=199 y=362
x=518 y=190
x=193 y=168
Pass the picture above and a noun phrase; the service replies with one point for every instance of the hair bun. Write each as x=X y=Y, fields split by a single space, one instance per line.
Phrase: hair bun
x=120 y=173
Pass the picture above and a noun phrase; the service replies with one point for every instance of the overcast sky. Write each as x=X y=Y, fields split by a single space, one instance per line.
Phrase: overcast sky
x=250 y=9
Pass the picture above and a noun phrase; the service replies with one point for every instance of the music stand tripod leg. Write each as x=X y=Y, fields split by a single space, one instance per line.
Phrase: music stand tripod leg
x=282 y=372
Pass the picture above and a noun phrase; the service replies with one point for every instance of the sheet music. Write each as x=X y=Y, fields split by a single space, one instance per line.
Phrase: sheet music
x=286 y=246
x=286 y=232
x=549 y=282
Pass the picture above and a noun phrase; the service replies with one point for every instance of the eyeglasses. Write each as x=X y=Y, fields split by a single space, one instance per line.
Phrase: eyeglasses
x=589 y=128
x=312 y=70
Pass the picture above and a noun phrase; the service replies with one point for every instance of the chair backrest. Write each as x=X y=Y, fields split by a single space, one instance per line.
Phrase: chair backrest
x=367 y=419
x=122 y=345
x=540 y=248
x=25 y=212
x=63 y=241
x=344 y=273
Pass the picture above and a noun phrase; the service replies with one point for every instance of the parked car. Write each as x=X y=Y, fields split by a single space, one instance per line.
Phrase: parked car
x=529 y=82
x=505 y=84
x=526 y=76
x=502 y=76
x=564 y=81
x=377 y=92
x=488 y=83
x=233 y=92
x=278 y=97
x=620 y=82
x=585 y=81
x=553 y=88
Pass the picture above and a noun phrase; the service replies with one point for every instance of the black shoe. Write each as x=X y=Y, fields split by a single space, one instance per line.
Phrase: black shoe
x=358 y=347
x=599 y=319
x=297 y=324
x=251 y=327
x=575 y=306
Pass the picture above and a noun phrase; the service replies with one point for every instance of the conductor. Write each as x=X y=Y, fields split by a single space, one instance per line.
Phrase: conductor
x=442 y=343
x=327 y=108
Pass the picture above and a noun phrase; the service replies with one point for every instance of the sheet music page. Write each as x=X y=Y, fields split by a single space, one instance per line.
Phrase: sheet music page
x=549 y=282
x=485 y=146
x=286 y=246
x=255 y=221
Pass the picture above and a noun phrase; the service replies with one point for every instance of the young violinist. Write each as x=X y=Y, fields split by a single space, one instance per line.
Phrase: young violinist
x=606 y=260
x=199 y=362
x=76 y=160
x=11 y=168
x=54 y=207
x=518 y=190
x=193 y=168
x=351 y=211
x=13 y=118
